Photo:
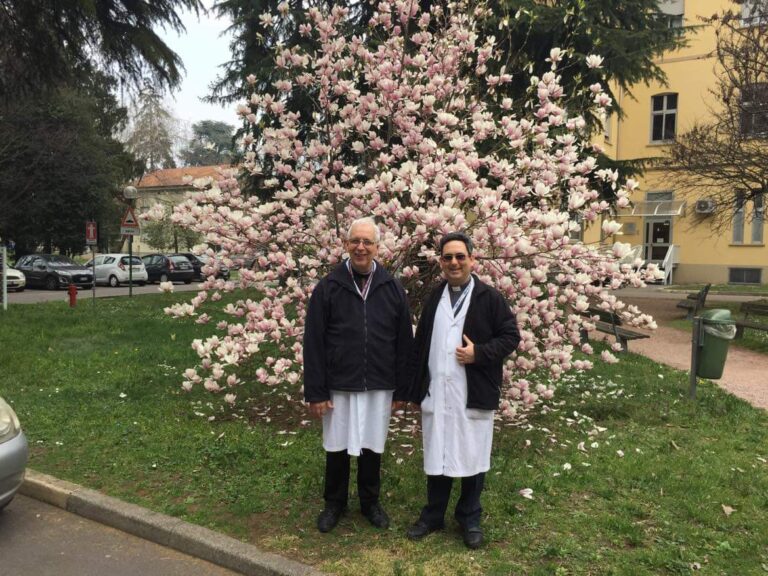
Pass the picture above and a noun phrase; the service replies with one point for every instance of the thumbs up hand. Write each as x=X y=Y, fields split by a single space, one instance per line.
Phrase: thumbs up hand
x=466 y=354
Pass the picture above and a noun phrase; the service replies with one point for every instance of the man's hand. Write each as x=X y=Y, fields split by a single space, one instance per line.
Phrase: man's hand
x=317 y=409
x=466 y=355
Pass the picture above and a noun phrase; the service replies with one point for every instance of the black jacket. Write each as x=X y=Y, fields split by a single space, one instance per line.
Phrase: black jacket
x=492 y=327
x=356 y=345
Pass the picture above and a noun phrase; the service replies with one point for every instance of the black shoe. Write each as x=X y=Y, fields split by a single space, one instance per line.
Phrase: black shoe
x=376 y=516
x=473 y=537
x=420 y=529
x=328 y=518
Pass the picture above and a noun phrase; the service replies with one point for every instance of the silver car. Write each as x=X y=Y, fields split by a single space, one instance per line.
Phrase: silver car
x=114 y=270
x=13 y=454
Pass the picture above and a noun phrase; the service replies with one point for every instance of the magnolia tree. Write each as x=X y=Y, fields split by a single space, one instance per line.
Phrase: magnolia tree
x=408 y=128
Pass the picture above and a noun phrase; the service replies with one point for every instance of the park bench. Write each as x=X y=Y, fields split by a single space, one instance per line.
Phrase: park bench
x=757 y=308
x=610 y=323
x=694 y=302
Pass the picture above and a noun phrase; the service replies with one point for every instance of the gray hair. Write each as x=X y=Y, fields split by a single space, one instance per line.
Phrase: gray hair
x=369 y=221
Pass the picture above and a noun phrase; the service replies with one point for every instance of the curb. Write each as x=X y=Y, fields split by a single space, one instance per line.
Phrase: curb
x=165 y=530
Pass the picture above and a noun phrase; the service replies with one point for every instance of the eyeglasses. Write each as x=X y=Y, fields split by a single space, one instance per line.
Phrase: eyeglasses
x=448 y=257
x=364 y=241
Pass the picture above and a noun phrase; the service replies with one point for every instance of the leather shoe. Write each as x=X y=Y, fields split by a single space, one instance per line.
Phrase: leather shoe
x=328 y=518
x=376 y=516
x=420 y=529
x=473 y=537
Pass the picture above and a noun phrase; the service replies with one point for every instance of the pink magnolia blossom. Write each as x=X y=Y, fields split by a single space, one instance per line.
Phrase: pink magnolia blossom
x=416 y=134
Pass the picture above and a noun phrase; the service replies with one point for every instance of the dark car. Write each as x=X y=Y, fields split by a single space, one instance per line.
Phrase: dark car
x=53 y=271
x=168 y=267
x=198 y=261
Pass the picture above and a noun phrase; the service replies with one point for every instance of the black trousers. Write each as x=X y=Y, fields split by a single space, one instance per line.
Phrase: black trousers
x=336 y=492
x=468 y=509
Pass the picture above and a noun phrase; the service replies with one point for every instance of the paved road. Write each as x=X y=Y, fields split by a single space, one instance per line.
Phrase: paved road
x=37 y=539
x=34 y=295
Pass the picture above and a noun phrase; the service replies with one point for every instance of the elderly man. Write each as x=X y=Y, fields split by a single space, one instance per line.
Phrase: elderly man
x=358 y=339
x=465 y=332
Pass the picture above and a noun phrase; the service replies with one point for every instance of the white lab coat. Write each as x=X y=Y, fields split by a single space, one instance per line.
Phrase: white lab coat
x=457 y=439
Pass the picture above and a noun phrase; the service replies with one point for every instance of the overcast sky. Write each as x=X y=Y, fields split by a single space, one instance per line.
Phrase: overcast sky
x=202 y=50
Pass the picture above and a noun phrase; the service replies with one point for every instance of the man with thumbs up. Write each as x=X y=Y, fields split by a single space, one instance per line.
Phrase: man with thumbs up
x=465 y=332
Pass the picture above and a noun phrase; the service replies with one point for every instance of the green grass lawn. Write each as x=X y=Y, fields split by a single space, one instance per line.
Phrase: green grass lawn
x=628 y=475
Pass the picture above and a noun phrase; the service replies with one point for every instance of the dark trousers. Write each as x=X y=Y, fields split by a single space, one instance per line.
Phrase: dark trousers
x=336 y=490
x=468 y=509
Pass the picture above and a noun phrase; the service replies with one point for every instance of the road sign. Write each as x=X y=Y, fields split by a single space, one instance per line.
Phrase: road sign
x=91 y=233
x=130 y=225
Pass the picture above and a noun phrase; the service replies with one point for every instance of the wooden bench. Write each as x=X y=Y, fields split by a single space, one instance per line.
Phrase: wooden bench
x=694 y=302
x=756 y=308
x=610 y=323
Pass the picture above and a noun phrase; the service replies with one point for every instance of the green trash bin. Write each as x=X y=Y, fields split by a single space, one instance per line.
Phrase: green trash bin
x=717 y=332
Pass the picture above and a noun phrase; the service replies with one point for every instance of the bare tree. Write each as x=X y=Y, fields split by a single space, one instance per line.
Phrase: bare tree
x=723 y=163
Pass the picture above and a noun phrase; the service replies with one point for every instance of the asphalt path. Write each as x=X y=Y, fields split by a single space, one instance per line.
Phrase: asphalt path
x=35 y=295
x=37 y=539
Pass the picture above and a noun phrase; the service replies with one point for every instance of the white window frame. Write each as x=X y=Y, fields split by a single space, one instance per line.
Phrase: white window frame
x=664 y=112
x=754 y=110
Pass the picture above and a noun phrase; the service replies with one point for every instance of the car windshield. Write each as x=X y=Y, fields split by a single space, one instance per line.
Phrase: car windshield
x=136 y=261
x=62 y=262
x=179 y=259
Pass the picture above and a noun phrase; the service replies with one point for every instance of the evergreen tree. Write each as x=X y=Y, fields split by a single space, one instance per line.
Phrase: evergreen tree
x=45 y=44
x=60 y=166
x=211 y=143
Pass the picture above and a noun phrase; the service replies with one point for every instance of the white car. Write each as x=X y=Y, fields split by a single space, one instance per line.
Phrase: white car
x=15 y=279
x=113 y=269
x=14 y=453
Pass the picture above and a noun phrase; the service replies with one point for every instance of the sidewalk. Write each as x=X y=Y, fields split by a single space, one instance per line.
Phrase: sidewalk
x=164 y=530
x=746 y=372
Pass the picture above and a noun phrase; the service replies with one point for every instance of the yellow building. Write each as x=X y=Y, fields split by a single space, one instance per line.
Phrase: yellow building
x=668 y=225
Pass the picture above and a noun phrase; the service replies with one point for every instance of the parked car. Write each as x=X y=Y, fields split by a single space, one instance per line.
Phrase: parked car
x=200 y=260
x=168 y=267
x=13 y=454
x=53 y=271
x=113 y=269
x=15 y=279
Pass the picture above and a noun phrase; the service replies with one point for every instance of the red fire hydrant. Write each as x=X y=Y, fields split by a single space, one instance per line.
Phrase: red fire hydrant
x=72 y=290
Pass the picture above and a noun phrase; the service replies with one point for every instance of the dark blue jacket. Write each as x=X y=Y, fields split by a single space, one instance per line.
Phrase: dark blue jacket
x=355 y=345
x=490 y=325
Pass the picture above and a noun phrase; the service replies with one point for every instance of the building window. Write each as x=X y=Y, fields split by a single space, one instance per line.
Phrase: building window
x=744 y=276
x=738 y=218
x=663 y=117
x=758 y=218
x=673 y=11
x=607 y=129
x=754 y=109
x=754 y=12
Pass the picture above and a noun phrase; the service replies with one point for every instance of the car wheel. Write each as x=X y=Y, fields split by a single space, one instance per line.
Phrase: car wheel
x=113 y=281
x=51 y=283
x=187 y=281
x=142 y=283
x=2 y=506
x=163 y=277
